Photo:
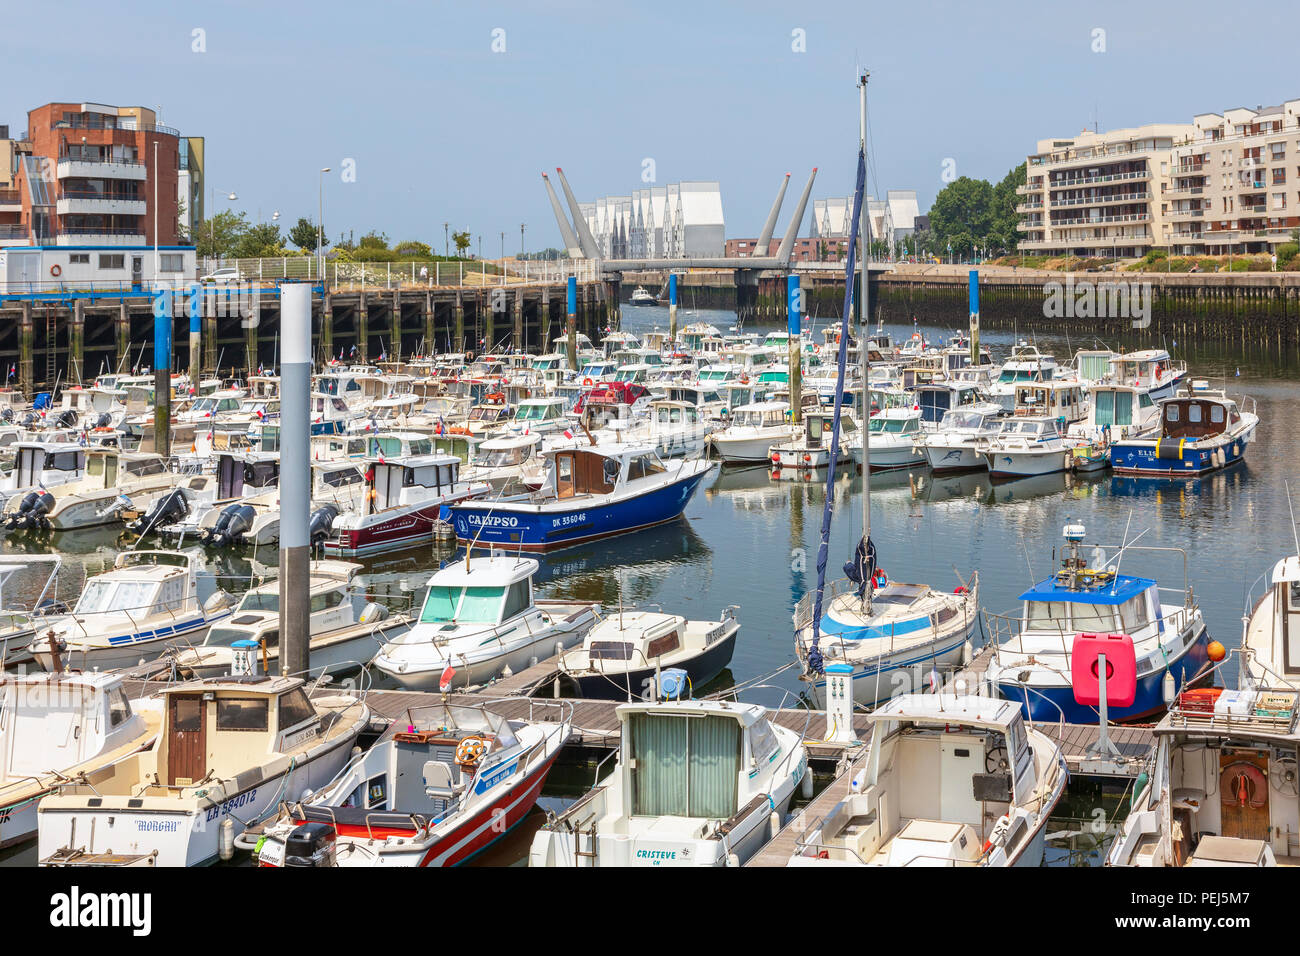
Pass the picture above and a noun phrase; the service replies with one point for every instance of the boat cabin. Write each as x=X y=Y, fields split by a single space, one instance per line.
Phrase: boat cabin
x=1200 y=415
x=760 y=415
x=1057 y=399
x=141 y=584
x=246 y=473
x=257 y=616
x=597 y=470
x=220 y=728
x=389 y=480
x=505 y=452
x=37 y=463
x=490 y=591
x=938 y=398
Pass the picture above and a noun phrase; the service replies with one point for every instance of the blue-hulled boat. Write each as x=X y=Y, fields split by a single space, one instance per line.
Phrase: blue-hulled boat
x=1032 y=657
x=586 y=493
x=1198 y=431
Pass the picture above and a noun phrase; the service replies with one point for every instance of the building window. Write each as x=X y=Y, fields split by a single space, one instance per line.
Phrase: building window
x=79 y=259
x=1279 y=200
x=1279 y=176
x=171 y=262
x=112 y=262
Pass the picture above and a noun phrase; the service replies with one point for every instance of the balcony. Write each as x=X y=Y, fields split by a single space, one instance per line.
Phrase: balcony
x=1102 y=220
x=100 y=169
x=118 y=127
x=14 y=234
x=1184 y=191
x=11 y=200
x=1100 y=178
x=1251 y=162
x=1025 y=207
x=100 y=236
x=1102 y=200
x=1251 y=186
x=1187 y=214
x=99 y=206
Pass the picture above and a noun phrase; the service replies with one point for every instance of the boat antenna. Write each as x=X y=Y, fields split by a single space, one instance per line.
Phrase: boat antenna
x=1028 y=564
x=864 y=353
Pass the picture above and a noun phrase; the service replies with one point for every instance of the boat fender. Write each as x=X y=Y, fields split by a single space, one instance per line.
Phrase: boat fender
x=226 y=839
x=1244 y=784
x=373 y=613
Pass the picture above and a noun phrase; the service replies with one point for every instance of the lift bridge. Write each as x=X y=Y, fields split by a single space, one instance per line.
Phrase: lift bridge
x=581 y=244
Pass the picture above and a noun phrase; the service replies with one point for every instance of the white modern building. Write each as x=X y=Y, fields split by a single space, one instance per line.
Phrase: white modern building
x=677 y=221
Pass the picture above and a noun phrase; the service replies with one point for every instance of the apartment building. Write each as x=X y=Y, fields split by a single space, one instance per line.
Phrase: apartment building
x=1236 y=187
x=1099 y=194
x=86 y=174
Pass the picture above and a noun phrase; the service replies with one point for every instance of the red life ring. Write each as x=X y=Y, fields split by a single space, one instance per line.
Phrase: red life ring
x=588 y=382
x=56 y=270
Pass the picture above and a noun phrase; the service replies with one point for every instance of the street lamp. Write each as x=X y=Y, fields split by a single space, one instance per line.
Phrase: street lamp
x=320 y=225
x=446 y=243
x=212 y=223
x=521 y=239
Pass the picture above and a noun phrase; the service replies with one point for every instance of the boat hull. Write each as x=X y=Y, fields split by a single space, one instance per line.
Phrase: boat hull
x=428 y=677
x=404 y=528
x=1020 y=464
x=904 y=672
x=1053 y=704
x=1143 y=458
x=949 y=458
x=549 y=528
x=633 y=684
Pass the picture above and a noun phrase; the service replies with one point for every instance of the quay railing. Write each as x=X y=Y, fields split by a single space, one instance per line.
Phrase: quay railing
x=462 y=273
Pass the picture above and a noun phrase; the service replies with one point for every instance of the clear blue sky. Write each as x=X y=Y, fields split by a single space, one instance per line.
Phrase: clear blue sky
x=441 y=128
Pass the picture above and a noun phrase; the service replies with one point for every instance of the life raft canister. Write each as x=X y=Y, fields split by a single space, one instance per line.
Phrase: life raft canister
x=1244 y=784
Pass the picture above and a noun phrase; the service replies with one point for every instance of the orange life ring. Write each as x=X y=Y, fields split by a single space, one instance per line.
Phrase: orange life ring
x=588 y=382
x=56 y=270
x=744 y=380
x=1244 y=784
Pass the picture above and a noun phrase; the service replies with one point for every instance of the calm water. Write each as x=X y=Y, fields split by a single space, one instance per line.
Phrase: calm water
x=752 y=542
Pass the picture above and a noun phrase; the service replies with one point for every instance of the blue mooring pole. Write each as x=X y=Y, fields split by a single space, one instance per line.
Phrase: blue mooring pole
x=974 y=317
x=794 y=303
x=162 y=374
x=572 y=328
x=672 y=308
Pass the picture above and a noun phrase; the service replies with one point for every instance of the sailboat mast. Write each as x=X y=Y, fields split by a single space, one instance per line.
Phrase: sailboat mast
x=864 y=237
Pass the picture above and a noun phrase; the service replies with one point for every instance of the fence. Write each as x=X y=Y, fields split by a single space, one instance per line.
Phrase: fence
x=341 y=275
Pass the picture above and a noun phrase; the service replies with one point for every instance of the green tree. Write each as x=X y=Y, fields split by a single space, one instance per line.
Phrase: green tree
x=258 y=241
x=412 y=249
x=461 y=240
x=218 y=235
x=305 y=235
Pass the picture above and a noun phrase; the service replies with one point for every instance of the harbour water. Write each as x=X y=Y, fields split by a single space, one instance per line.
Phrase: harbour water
x=752 y=542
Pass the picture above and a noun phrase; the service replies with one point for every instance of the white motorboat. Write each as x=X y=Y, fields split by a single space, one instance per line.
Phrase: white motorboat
x=751 y=432
x=641 y=297
x=696 y=784
x=955 y=444
x=1270 y=643
x=622 y=655
x=949 y=781
x=1028 y=446
x=114 y=481
x=345 y=628
x=1025 y=364
x=229 y=753
x=798 y=457
x=896 y=440
x=444 y=784
x=131 y=612
x=1223 y=785
x=56 y=727
x=479 y=619
x=40 y=465
x=19 y=620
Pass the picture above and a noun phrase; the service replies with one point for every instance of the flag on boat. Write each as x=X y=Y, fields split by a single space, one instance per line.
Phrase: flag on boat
x=444 y=682
x=441 y=429
x=934 y=680
x=568 y=433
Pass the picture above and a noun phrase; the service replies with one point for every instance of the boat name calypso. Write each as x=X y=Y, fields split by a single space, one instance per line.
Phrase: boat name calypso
x=493 y=521
x=234 y=803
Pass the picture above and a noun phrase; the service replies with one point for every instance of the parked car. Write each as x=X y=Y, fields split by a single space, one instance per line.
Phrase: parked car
x=221 y=275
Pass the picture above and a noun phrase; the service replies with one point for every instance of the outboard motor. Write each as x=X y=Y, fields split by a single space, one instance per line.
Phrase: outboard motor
x=69 y=418
x=310 y=845
x=321 y=523
x=232 y=524
x=30 y=419
x=32 y=511
x=168 y=509
x=104 y=420
x=7 y=414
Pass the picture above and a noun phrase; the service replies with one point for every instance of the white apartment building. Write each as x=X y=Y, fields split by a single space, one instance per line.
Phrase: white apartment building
x=1236 y=187
x=1099 y=194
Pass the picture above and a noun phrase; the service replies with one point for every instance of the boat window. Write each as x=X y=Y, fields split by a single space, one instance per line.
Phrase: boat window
x=1144 y=401
x=1171 y=413
x=643 y=466
x=119 y=708
x=243 y=713
x=1045 y=613
x=662 y=645
x=323 y=602
x=1194 y=412
x=762 y=741
x=95 y=467
x=1133 y=614
x=341 y=477
x=224 y=636
x=100 y=596
x=295 y=708
x=66 y=461
x=440 y=604
x=1216 y=414
x=684 y=766
x=480 y=606
x=1092 y=618
x=260 y=601
x=610 y=651
x=516 y=600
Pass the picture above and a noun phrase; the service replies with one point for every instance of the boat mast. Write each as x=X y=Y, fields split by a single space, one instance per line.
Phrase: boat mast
x=864 y=238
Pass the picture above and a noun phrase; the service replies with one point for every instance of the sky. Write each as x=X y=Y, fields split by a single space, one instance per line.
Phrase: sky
x=431 y=113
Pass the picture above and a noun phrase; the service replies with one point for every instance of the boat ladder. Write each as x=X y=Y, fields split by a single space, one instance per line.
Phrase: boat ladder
x=579 y=833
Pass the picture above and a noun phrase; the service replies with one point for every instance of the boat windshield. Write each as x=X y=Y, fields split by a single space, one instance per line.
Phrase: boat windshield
x=892 y=425
x=101 y=596
x=532 y=413
x=1018 y=375
x=962 y=419
x=499 y=458
x=260 y=601
x=1113 y=408
x=462 y=605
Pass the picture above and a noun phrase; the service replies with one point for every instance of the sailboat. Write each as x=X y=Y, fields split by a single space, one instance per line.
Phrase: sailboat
x=896 y=638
